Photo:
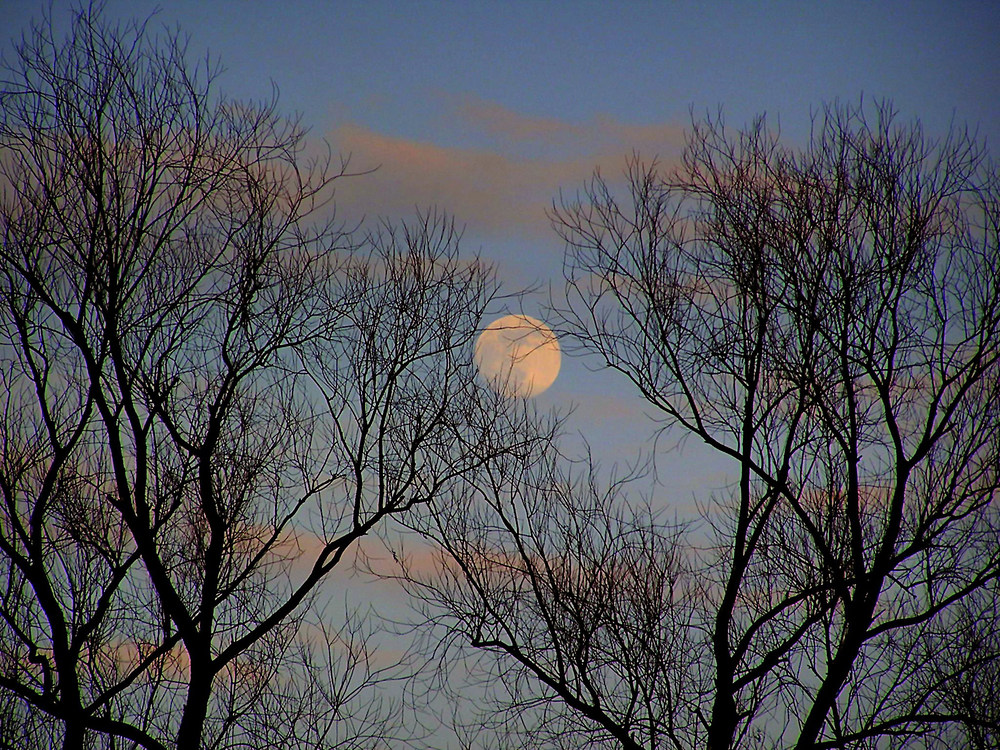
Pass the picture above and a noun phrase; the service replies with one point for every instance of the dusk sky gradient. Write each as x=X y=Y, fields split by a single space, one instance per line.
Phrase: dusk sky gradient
x=486 y=109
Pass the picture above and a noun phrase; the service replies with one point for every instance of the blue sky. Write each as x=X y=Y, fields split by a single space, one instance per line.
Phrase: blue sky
x=392 y=65
x=487 y=109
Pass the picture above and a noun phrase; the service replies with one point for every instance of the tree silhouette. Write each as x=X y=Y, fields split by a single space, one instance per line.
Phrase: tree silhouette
x=209 y=397
x=827 y=319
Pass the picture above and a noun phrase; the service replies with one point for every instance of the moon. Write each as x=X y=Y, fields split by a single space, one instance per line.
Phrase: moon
x=518 y=356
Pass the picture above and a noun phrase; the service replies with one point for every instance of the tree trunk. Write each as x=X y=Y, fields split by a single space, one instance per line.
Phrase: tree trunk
x=192 y=728
x=75 y=733
x=837 y=673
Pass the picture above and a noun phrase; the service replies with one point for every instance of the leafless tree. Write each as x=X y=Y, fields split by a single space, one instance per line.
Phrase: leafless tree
x=209 y=397
x=826 y=319
x=549 y=590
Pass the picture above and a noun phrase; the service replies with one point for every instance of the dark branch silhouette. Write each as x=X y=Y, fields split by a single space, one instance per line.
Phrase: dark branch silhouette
x=210 y=395
x=827 y=319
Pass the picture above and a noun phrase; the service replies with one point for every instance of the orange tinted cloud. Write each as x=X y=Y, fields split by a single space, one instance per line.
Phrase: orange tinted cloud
x=601 y=137
x=495 y=189
x=366 y=555
x=488 y=191
x=497 y=120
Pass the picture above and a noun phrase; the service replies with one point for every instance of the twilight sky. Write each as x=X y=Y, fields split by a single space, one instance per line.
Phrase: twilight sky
x=487 y=109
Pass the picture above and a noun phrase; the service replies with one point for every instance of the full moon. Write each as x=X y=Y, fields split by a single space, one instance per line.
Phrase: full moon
x=518 y=355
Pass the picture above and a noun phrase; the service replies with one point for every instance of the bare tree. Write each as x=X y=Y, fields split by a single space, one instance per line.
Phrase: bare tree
x=209 y=397
x=551 y=591
x=827 y=319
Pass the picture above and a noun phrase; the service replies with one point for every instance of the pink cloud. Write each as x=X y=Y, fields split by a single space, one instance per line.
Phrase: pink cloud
x=488 y=191
x=494 y=189
x=494 y=118
x=602 y=136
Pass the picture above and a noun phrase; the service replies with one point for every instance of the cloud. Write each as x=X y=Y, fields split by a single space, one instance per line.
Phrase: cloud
x=602 y=136
x=503 y=185
x=488 y=191
x=499 y=121
x=367 y=558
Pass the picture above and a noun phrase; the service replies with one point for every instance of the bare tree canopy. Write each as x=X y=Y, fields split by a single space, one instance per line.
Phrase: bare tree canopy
x=827 y=319
x=209 y=397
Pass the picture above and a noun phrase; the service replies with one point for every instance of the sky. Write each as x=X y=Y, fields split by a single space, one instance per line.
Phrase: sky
x=487 y=110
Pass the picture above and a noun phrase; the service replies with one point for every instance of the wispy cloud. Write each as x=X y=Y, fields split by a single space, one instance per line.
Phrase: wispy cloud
x=601 y=137
x=497 y=120
x=502 y=187
x=484 y=189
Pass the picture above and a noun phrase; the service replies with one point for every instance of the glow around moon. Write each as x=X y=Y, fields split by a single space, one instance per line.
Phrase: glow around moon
x=518 y=355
